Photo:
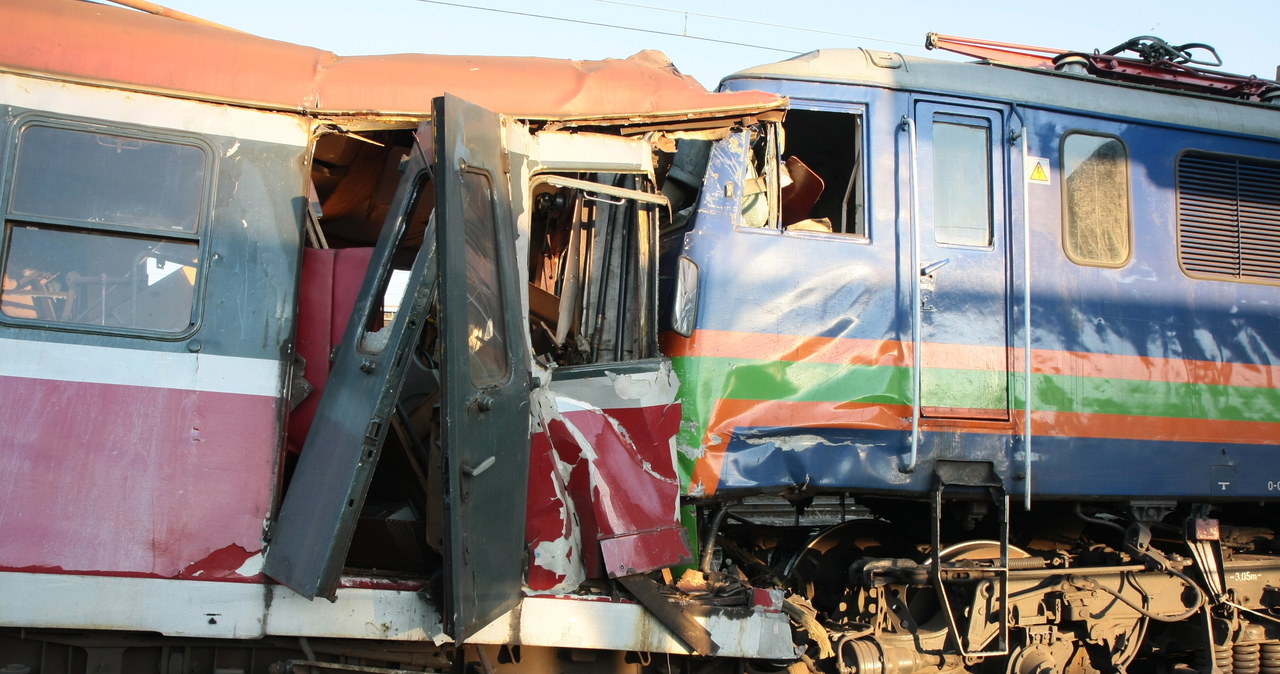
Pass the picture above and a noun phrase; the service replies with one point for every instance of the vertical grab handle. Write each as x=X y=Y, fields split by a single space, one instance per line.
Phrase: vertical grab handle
x=1026 y=335
x=909 y=126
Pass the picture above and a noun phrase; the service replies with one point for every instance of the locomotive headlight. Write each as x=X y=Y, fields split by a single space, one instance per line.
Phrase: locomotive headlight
x=684 y=310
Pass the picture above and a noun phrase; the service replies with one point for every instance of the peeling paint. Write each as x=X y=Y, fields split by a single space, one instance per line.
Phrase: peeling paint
x=795 y=443
x=252 y=566
x=610 y=478
x=647 y=388
x=561 y=557
x=228 y=563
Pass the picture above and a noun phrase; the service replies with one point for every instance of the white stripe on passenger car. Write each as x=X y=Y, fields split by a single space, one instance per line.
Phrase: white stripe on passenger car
x=139 y=367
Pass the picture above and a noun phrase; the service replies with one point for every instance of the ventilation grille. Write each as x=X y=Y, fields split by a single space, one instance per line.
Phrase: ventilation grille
x=1229 y=217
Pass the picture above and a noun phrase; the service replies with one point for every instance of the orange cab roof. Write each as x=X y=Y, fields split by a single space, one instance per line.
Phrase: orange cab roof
x=100 y=44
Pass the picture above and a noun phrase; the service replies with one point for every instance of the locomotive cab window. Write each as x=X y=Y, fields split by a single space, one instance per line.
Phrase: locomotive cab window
x=813 y=166
x=1095 y=200
x=821 y=181
x=101 y=230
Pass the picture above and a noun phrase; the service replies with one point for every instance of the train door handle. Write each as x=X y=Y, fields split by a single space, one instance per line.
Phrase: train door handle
x=482 y=402
x=474 y=471
x=928 y=269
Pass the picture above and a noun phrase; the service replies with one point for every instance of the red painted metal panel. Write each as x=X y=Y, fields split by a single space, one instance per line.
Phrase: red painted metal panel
x=127 y=480
x=603 y=495
x=636 y=486
x=98 y=44
x=331 y=280
x=552 y=533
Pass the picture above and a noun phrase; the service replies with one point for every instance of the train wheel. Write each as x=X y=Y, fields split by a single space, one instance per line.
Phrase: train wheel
x=982 y=628
x=1034 y=659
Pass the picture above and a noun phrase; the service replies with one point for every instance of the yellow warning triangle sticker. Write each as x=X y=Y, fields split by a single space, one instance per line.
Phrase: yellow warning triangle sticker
x=1038 y=173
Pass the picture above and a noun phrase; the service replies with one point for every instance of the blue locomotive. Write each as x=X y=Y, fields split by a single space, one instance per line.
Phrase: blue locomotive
x=936 y=289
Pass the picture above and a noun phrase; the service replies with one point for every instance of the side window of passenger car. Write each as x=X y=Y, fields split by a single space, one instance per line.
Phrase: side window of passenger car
x=1095 y=200
x=102 y=228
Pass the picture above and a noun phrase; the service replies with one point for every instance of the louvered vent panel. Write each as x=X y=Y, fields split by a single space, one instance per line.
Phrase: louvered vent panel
x=1229 y=217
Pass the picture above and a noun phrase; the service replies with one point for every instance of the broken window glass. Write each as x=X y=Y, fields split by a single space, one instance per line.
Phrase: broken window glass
x=822 y=185
x=393 y=282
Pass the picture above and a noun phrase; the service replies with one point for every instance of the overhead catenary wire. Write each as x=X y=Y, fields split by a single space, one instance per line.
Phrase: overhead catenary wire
x=601 y=24
x=752 y=22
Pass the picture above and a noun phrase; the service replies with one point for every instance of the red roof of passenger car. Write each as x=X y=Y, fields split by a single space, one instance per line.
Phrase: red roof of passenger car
x=100 y=44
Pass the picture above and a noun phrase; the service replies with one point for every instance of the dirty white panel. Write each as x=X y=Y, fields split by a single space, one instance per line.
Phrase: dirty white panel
x=615 y=390
x=559 y=150
x=159 y=111
x=357 y=614
x=171 y=607
x=576 y=623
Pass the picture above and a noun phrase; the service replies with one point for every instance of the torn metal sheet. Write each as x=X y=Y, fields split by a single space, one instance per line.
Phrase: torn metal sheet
x=695 y=636
x=609 y=469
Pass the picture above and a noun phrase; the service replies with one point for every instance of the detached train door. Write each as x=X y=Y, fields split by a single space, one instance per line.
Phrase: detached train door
x=963 y=257
x=485 y=402
x=484 y=384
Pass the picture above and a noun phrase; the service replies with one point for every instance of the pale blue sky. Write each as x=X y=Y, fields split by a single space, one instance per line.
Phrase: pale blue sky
x=1243 y=31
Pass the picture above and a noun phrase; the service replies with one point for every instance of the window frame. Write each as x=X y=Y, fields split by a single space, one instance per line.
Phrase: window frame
x=642 y=308
x=963 y=118
x=775 y=137
x=1065 y=199
x=858 y=177
x=198 y=234
x=479 y=182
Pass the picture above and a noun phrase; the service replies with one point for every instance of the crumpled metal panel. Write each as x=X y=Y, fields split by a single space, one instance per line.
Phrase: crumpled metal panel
x=100 y=44
x=603 y=473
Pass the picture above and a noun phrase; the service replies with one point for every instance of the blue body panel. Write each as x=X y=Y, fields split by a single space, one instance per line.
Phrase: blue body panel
x=1147 y=313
